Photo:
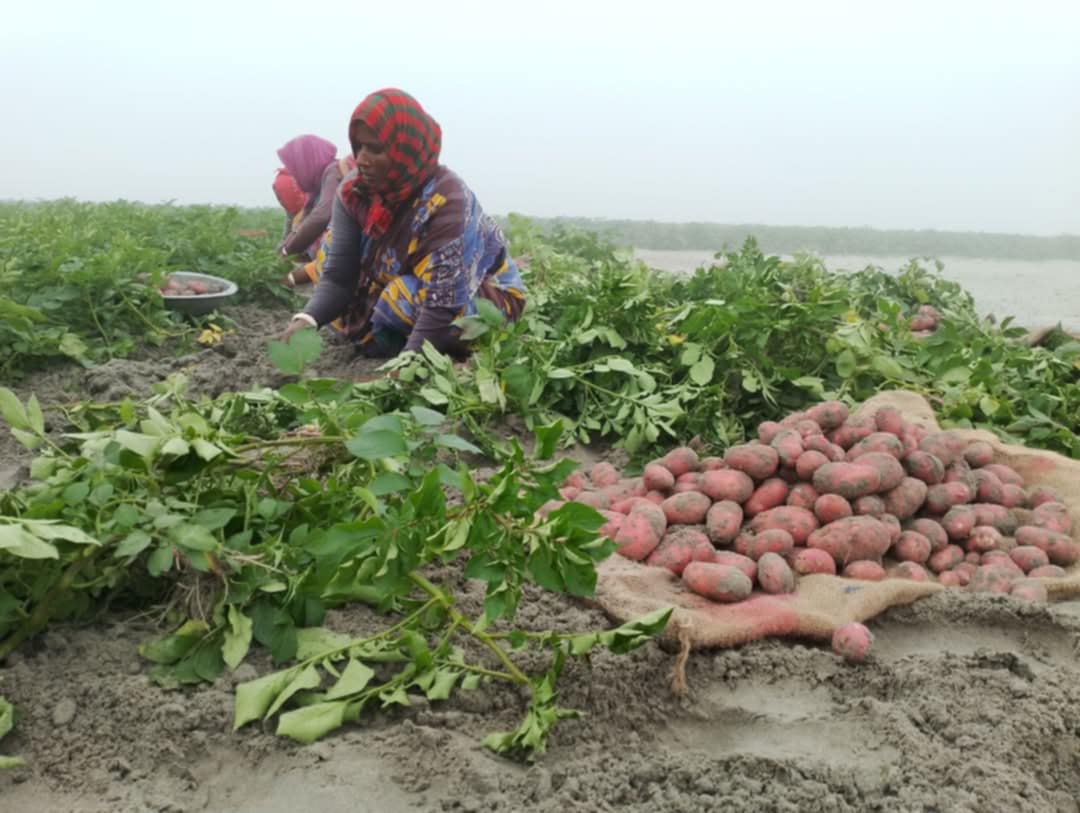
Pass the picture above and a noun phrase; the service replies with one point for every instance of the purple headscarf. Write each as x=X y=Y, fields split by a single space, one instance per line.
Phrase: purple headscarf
x=305 y=157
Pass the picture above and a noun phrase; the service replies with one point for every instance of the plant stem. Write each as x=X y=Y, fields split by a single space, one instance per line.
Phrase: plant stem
x=296 y=441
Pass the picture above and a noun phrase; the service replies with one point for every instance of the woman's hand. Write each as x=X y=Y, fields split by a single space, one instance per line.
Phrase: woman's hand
x=295 y=326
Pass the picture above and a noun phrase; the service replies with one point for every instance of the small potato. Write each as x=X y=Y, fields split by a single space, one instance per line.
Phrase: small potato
x=879 y=442
x=569 y=492
x=807 y=428
x=636 y=538
x=809 y=462
x=1038 y=495
x=1006 y=474
x=997 y=515
x=933 y=531
x=774 y=574
x=991 y=579
x=594 y=499
x=679 y=548
x=852 y=642
x=1012 y=496
x=723 y=520
x=713 y=464
x=744 y=563
x=831 y=507
x=1054 y=516
x=658 y=478
x=865 y=570
x=912 y=547
x=603 y=474
x=788 y=445
x=687 y=508
x=983 y=539
x=888 y=419
x=978 y=454
x=924 y=466
x=1028 y=590
x=958 y=521
x=754 y=545
x=768 y=430
x=802 y=495
x=828 y=414
x=912 y=571
x=680 y=461
x=849 y=480
x=890 y=470
x=942 y=497
x=853 y=430
x=906 y=498
x=1059 y=547
x=575 y=479
x=952 y=578
x=871 y=505
x=755 y=459
x=988 y=488
x=769 y=494
x=852 y=538
x=610 y=529
x=810 y=560
x=798 y=522
x=946 y=559
x=1029 y=557
x=727 y=484
x=945 y=446
x=1048 y=572
x=894 y=526
x=724 y=583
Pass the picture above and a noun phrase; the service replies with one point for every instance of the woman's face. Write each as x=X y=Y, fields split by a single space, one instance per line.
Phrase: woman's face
x=372 y=162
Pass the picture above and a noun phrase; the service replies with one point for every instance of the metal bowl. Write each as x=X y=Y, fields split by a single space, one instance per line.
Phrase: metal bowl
x=199 y=304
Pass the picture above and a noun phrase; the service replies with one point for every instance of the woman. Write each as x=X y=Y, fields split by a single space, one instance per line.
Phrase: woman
x=311 y=161
x=412 y=249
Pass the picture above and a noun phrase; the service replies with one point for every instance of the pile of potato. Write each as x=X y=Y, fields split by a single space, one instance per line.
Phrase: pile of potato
x=826 y=492
x=925 y=321
x=194 y=287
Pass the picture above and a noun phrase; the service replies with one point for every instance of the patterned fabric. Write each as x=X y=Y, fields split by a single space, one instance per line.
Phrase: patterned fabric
x=306 y=157
x=413 y=141
x=288 y=192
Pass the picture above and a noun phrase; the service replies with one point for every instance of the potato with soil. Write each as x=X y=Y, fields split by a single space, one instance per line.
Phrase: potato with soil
x=983 y=539
x=723 y=521
x=806 y=561
x=890 y=470
x=658 y=478
x=988 y=488
x=636 y=538
x=603 y=474
x=687 y=508
x=828 y=415
x=849 y=480
x=769 y=494
x=1029 y=557
x=933 y=531
x=942 y=497
x=912 y=571
x=888 y=419
x=680 y=461
x=958 y=522
x=1038 y=495
x=798 y=522
x=865 y=570
x=809 y=462
x=819 y=443
x=871 y=506
x=831 y=507
x=774 y=574
x=1013 y=496
x=767 y=430
x=924 y=466
x=907 y=498
x=755 y=459
x=1048 y=572
x=953 y=578
x=945 y=446
x=788 y=444
x=594 y=499
x=713 y=464
x=853 y=430
x=678 y=549
x=1006 y=474
x=802 y=495
x=894 y=527
x=723 y=583
x=979 y=453
x=912 y=547
x=1059 y=548
x=852 y=642
x=744 y=563
x=852 y=539
x=877 y=442
x=610 y=529
x=756 y=545
x=727 y=484
x=991 y=579
x=1054 y=516
x=1029 y=590
x=997 y=515
x=945 y=559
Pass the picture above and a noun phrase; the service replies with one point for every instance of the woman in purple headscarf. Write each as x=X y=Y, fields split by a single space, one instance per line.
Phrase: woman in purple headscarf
x=312 y=162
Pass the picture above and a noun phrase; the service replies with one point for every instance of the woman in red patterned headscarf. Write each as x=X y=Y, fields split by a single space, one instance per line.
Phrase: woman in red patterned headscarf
x=412 y=249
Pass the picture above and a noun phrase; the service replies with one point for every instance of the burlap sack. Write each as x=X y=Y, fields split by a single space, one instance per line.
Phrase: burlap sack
x=627 y=590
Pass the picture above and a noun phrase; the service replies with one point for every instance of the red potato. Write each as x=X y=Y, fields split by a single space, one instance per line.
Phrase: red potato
x=805 y=561
x=754 y=545
x=1001 y=558
x=1006 y=474
x=988 y=487
x=933 y=531
x=924 y=466
x=912 y=571
x=809 y=462
x=790 y=421
x=744 y=563
x=851 y=539
x=807 y=428
x=727 y=484
x=959 y=520
x=802 y=495
x=1028 y=590
x=865 y=570
x=912 y=547
x=635 y=486
x=852 y=642
x=569 y=492
x=828 y=414
x=713 y=464
x=767 y=430
x=907 y=498
x=997 y=515
x=687 y=508
x=798 y=522
x=683 y=487
x=680 y=461
x=945 y=446
x=942 y=497
x=894 y=527
x=1053 y=516
x=979 y=453
x=879 y=442
x=1038 y=495
x=788 y=475
x=655 y=497
x=788 y=444
x=1029 y=557
x=984 y=538
x=724 y=583
x=774 y=574
x=973 y=558
x=871 y=505
x=652 y=512
x=960 y=472
x=953 y=578
x=769 y=494
x=820 y=443
x=615 y=493
x=755 y=459
x=594 y=499
x=849 y=480
x=658 y=478
x=922 y=324
x=1012 y=496
x=991 y=579
x=624 y=506
x=610 y=529
x=1048 y=572
x=888 y=419
x=603 y=474
x=637 y=537
x=831 y=507
x=946 y=559
x=1059 y=548
x=678 y=549
x=853 y=430
x=723 y=521
x=575 y=479
x=890 y=470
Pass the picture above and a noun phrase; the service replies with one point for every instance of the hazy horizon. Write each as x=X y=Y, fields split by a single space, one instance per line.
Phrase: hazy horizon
x=947 y=117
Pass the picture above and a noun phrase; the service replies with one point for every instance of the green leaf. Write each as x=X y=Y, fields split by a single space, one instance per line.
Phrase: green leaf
x=193 y=537
x=174 y=647
x=177 y=447
x=309 y=723
x=889 y=368
x=143 y=445
x=454 y=442
x=205 y=449
x=691 y=354
x=355 y=678
x=213 y=519
x=620 y=365
x=12 y=410
x=28 y=440
x=377 y=445
x=518 y=381
x=442 y=685
x=547 y=439
x=133 y=544
x=18 y=541
x=293 y=356
x=44 y=529
x=160 y=561
x=237 y=638
x=702 y=372
x=72 y=346
x=433 y=396
x=389 y=483
x=989 y=406
x=314 y=641
x=254 y=697
x=309 y=678
x=427 y=417
x=559 y=372
x=34 y=417
x=7 y=717
x=845 y=364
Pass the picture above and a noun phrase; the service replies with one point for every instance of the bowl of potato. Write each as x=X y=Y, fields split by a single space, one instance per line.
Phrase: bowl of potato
x=196 y=294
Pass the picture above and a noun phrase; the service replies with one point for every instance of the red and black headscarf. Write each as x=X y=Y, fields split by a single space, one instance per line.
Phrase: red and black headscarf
x=412 y=140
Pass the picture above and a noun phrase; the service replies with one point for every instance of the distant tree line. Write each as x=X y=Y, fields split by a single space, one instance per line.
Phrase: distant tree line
x=650 y=234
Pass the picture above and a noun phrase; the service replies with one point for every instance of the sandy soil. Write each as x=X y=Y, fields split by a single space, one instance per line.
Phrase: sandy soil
x=972 y=703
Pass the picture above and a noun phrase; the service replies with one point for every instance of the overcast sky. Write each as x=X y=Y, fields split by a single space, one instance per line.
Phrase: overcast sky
x=945 y=114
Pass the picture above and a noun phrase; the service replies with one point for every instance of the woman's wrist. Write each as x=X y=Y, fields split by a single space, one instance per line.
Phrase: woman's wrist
x=305 y=317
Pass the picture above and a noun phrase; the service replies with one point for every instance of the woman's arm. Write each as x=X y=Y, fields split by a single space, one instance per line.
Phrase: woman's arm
x=318 y=218
x=341 y=271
